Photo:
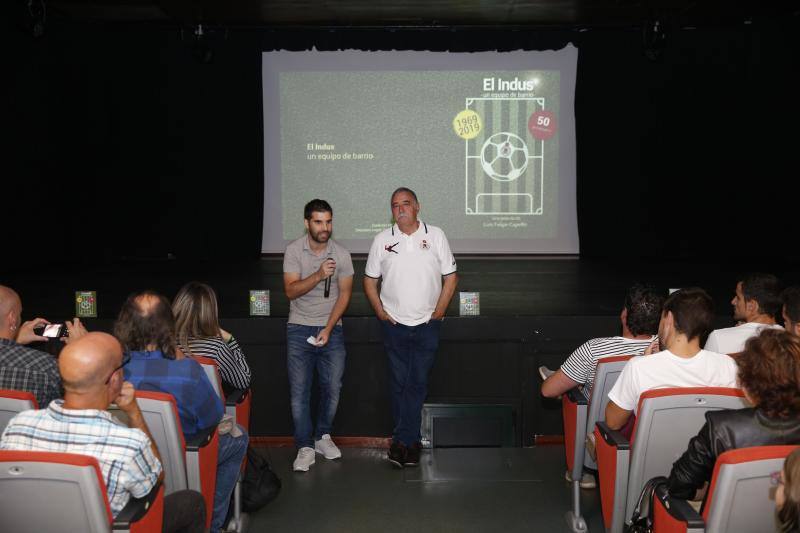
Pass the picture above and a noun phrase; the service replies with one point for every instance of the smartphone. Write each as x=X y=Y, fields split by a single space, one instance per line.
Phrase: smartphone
x=53 y=331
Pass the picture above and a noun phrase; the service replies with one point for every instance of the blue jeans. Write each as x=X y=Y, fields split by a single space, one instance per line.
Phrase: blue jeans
x=302 y=359
x=411 y=351
x=229 y=461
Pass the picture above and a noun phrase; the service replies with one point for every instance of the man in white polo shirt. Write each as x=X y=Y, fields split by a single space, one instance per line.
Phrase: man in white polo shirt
x=418 y=273
x=756 y=304
x=686 y=318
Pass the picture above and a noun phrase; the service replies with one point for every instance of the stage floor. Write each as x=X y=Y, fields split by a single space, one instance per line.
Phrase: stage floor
x=463 y=490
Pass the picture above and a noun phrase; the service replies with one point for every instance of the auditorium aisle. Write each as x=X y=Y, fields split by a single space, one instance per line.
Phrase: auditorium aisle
x=453 y=490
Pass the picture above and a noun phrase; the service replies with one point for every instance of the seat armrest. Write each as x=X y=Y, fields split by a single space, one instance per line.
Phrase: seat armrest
x=669 y=510
x=576 y=396
x=237 y=396
x=613 y=437
x=199 y=439
x=137 y=508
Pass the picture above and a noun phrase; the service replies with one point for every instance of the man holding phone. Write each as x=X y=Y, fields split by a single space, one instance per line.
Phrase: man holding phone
x=21 y=367
x=318 y=280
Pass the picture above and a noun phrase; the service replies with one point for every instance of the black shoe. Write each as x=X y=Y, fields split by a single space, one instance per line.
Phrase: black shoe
x=412 y=454
x=397 y=454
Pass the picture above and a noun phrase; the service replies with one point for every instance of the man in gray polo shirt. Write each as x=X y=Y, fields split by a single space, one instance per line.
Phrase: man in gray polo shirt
x=318 y=280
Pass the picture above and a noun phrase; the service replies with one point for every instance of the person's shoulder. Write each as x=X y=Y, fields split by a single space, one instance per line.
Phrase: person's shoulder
x=435 y=230
x=295 y=245
x=21 y=355
x=720 y=357
x=728 y=416
x=340 y=248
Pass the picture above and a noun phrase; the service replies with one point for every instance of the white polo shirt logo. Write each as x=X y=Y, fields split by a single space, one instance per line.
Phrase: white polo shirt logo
x=424 y=244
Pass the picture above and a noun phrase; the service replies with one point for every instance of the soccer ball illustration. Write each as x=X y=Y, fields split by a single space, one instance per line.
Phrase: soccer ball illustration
x=504 y=156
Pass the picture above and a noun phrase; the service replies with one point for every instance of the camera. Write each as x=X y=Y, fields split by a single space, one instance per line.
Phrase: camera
x=53 y=331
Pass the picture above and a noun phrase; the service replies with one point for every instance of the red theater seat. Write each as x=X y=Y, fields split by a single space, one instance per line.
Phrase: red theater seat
x=13 y=402
x=187 y=464
x=738 y=498
x=666 y=420
x=580 y=417
x=46 y=491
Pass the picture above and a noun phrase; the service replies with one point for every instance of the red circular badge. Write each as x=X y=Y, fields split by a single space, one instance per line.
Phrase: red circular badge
x=542 y=125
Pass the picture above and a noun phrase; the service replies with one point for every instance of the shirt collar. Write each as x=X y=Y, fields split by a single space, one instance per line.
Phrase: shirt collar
x=144 y=354
x=77 y=416
x=307 y=247
x=422 y=227
x=9 y=342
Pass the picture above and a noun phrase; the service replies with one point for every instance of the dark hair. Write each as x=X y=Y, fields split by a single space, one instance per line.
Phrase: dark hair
x=403 y=189
x=789 y=515
x=693 y=311
x=791 y=299
x=643 y=304
x=765 y=289
x=137 y=327
x=316 y=205
x=769 y=369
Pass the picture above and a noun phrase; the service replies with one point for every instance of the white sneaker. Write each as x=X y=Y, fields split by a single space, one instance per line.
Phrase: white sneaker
x=545 y=372
x=587 y=480
x=327 y=448
x=305 y=458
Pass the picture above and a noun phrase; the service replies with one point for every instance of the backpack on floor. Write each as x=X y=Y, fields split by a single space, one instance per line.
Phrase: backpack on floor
x=642 y=518
x=260 y=484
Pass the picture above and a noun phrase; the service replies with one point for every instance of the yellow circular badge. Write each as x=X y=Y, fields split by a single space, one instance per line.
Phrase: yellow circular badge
x=467 y=124
x=79 y=299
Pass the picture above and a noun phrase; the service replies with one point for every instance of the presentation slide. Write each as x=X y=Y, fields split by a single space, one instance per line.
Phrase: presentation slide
x=486 y=140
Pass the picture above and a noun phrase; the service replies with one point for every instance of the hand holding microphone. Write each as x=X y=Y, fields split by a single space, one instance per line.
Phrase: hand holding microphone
x=327 y=269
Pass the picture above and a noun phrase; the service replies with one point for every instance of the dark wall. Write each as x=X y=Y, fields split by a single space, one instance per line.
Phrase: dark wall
x=123 y=144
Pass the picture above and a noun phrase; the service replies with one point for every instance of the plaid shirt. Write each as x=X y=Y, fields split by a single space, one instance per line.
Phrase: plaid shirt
x=199 y=407
x=26 y=369
x=124 y=454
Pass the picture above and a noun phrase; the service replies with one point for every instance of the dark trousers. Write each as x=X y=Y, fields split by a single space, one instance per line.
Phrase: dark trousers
x=411 y=351
x=184 y=512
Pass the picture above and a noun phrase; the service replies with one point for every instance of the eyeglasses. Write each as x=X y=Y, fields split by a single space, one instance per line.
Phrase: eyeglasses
x=126 y=358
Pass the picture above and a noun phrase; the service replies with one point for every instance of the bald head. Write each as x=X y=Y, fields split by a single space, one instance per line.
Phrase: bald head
x=10 y=306
x=87 y=363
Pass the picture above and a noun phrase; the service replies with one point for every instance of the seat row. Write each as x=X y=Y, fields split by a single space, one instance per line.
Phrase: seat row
x=69 y=482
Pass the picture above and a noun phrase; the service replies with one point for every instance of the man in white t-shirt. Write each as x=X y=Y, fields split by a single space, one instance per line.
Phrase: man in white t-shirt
x=639 y=319
x=418 y=273
x=687 y=317
x=755 y=304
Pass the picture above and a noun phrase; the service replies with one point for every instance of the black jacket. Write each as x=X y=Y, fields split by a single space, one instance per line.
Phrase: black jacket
x=723 y=431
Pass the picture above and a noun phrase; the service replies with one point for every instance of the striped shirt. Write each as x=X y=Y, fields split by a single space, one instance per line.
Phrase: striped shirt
x=233 y=367
x=581 y=365
x=25 y=369
x=124 y=454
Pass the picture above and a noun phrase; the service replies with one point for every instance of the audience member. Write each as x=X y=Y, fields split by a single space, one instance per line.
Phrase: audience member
x=146 y=329
x=639 y=319
x=769 y=375
x=791 y=309
x=787 y=496
x=80 y=423
x=755 y=305
x=685 y=320
x=199 y=334
x=23 y=368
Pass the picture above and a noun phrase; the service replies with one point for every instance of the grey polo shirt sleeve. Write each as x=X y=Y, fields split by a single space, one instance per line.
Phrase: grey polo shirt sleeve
x=291 y=260
x=344 y=265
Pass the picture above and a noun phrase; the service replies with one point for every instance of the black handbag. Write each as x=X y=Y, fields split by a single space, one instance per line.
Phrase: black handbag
x=260 y=484
x=642 y=517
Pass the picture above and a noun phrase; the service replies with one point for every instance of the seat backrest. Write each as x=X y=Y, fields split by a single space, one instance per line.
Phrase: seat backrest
x=45 y=491
x=738 y=497
x=666 y=420
x=606 y=374
x=160 y=413
x=212 y=373
x=13 y=402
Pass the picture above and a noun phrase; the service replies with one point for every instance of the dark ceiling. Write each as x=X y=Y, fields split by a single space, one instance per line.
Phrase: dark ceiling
x=419 y=13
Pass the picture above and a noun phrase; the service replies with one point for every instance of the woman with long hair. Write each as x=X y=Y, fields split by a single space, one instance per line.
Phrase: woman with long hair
x=787 y=497
x=199 y=334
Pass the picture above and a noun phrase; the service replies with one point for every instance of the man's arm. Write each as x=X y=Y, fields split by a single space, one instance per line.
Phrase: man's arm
x=296 y=287
x=557 y=384
x=345 y=291
x=126 y=401
x=616 y=416
x=448 y=289
x=371 y=290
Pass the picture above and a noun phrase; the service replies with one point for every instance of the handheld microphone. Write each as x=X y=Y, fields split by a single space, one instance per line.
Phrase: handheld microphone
x=328 y=283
